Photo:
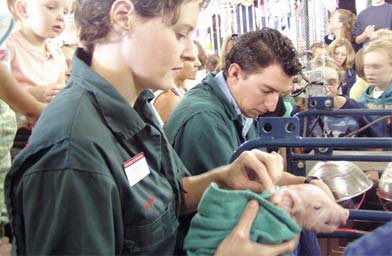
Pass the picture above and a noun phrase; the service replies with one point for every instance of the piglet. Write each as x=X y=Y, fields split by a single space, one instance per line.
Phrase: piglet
x=310 y=207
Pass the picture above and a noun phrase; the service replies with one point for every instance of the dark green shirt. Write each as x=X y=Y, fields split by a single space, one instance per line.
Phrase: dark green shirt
x=204 y=128
x=67 y=192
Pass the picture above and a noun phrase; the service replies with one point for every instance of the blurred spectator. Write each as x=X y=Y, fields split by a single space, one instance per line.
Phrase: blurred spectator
x=381 y=34
x=341 y=25
x=228 y=43
x=341 y=125
x=378 y=71
x=343 y=53
x=361 y=84
x=191 y=82
x=69 y=38
x=212 y=63
x=318 y=49
x=165 y=101
x=375 y=17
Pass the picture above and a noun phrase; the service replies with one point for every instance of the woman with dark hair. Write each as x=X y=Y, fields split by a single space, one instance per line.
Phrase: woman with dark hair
x=102 y=178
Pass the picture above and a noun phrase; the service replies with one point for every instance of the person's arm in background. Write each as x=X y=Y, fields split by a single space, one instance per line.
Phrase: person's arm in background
x=361 y=32
x=365 y=35
x=18 y=98
x=165 y=103
x=44 y=93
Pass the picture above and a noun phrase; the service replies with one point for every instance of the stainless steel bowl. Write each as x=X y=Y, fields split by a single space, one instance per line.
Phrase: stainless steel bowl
x=345 y=179
x=385 y=184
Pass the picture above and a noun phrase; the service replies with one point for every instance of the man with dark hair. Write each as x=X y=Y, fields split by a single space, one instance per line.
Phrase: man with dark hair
x=223 y=107
x=218 y=115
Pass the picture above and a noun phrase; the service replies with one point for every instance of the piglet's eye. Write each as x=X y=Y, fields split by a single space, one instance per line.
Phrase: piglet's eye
x=316 y=208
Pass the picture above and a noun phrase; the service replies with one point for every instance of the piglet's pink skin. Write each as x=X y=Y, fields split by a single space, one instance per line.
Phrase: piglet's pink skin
x=310 y=207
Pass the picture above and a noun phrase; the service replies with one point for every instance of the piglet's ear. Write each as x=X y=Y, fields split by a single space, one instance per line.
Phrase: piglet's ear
x=288 y=200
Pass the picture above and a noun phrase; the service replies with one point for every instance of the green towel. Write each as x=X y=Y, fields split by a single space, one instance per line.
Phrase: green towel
x=219 y=212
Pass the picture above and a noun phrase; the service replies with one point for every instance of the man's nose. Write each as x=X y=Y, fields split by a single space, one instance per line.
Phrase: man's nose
x=271 y=102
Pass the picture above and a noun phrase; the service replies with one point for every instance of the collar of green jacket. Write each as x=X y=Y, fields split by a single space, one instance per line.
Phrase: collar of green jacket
x=210 y=84
x=120 y=118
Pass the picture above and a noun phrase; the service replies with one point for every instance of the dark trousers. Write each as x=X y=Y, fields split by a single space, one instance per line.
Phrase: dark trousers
x=20 y=141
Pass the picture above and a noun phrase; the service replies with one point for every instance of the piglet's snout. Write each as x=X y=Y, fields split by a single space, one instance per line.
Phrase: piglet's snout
x=337 y=218
x=341 y=216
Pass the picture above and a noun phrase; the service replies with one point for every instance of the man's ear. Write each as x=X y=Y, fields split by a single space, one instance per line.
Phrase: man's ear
x=234 y=72
x=20 y=9
x=120 y=15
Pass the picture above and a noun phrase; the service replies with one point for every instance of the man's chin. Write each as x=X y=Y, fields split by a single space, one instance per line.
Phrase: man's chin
x=252 y=115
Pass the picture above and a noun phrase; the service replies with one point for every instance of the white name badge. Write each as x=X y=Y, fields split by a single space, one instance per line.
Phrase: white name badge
x=136 y=168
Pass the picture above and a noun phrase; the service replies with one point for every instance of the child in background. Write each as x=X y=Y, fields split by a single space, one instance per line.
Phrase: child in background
x=318 y=49
x=341 y=25
x=35 y=64
x=361 y=84
x=378 y=71
x=339 y=125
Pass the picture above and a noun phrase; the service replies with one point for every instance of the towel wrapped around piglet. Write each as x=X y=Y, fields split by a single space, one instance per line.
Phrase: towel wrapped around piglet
x=281 y=216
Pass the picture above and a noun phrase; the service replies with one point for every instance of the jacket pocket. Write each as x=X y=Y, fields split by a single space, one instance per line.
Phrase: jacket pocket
x=155 y=237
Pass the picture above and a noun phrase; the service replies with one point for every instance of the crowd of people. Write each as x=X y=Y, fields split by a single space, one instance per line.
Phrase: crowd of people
x=108 y=141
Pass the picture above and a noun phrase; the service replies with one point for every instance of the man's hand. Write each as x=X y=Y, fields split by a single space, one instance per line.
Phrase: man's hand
x=255 y=170
x=239 y=243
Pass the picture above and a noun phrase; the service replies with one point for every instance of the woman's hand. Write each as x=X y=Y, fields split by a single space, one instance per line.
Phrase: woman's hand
x=255 y=170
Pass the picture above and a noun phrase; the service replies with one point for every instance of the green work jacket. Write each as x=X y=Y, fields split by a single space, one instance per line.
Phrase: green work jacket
x=68 y=191
x=205 y=129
